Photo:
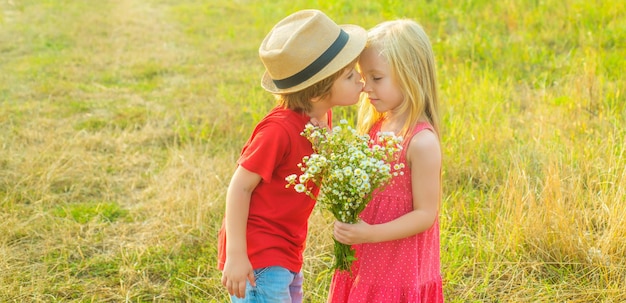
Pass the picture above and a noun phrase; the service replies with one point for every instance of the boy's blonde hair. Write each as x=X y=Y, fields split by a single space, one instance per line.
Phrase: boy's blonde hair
x=300 y=101
x=407 y=49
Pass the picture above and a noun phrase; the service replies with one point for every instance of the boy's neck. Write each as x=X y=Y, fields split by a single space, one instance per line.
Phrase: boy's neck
x=318 y=111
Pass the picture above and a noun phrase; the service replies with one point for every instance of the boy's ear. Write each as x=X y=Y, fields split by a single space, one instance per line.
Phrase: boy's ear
x=316 y=99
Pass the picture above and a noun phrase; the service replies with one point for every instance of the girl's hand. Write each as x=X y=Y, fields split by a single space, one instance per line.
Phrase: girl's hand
x=351 y=234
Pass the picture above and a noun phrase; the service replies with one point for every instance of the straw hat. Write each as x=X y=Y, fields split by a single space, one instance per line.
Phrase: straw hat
x=307 y=47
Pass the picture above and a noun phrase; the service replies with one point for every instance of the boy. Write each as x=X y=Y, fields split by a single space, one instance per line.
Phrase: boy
x=309 y=62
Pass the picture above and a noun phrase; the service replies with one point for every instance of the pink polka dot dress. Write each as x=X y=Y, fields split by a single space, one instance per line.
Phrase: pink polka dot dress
x=400 y=271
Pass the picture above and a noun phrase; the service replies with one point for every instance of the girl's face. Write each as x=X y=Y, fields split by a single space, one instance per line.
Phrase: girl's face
x=346 y=89
x=382 y=90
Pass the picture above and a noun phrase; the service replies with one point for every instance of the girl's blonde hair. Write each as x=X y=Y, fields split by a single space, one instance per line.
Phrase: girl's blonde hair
x=407 y=49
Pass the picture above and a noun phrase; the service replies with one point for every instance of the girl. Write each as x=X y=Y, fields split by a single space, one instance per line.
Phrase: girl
x=397 y=239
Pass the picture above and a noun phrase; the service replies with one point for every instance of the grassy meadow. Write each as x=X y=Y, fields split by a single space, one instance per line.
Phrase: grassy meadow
x=121 y=121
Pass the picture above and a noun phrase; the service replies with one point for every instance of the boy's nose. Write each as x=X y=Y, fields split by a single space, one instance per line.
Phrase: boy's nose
x=365 y=88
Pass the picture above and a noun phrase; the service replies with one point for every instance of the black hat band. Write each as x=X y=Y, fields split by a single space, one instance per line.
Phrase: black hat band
x=315 y=66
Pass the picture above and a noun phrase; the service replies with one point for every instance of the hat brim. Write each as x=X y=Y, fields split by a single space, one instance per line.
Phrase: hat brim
x=352 y=49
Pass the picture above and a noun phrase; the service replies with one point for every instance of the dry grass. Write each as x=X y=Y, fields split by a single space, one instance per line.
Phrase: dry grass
x=121 y=122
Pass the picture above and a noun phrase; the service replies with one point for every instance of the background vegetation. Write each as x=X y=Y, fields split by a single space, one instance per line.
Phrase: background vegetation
x=121 y=121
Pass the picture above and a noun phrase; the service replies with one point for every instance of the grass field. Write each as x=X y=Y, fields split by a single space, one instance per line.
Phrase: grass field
x=121 y=121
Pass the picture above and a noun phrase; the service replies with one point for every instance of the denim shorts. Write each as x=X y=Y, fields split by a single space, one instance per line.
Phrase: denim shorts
x=274 y=284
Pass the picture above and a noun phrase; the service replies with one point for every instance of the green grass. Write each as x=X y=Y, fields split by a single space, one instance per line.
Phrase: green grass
x=121 y=121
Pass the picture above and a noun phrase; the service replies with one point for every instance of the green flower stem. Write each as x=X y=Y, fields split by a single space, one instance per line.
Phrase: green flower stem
x=344 y=256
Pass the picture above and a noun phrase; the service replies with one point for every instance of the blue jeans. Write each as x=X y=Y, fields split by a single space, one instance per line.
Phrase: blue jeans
x=274 y=284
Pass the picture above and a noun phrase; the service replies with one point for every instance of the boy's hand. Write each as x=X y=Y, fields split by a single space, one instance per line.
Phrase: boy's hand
x=236 y=272
x=318 y=123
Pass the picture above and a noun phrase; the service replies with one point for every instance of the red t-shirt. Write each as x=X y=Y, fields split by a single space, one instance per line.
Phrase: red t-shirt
x=278 y=218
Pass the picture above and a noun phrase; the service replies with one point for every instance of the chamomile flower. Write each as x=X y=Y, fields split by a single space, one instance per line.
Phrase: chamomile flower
x=303 y=178
x=300 y=188
x=343 y=171
x=291 y=178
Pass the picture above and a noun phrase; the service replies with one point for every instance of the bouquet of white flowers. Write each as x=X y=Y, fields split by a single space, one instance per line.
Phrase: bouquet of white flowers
x=347 y=167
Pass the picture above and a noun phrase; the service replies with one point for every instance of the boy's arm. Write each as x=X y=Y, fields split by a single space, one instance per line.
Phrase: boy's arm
x=237 y=268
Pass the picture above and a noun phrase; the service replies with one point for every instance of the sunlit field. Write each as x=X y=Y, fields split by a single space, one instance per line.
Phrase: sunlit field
x=121 y=121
